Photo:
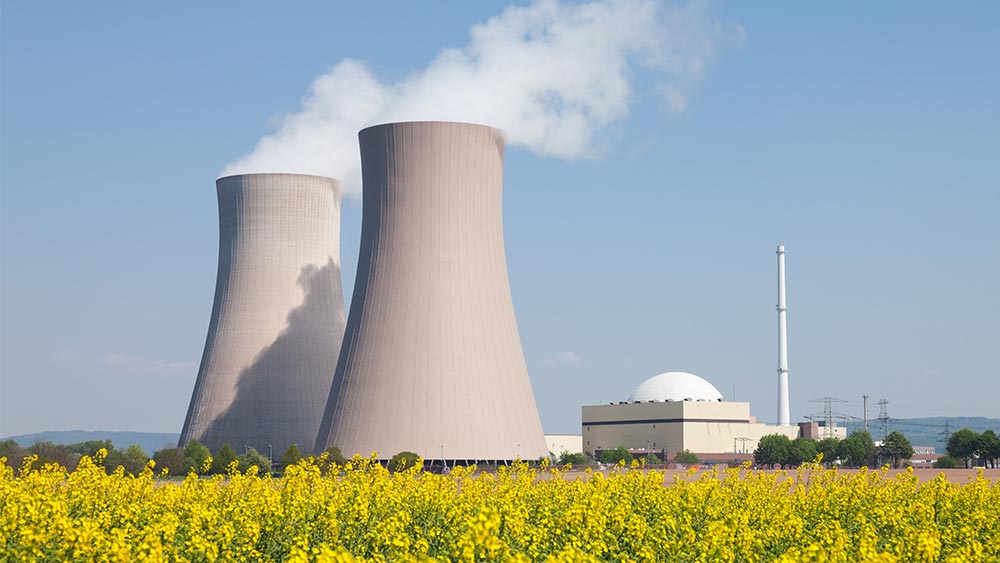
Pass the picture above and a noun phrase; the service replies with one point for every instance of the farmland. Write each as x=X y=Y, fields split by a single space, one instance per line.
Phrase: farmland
x=362 y=512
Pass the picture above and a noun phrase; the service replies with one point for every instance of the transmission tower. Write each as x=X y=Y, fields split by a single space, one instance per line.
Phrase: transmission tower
x=946 y=433
x=883 y=418
x=828 y=414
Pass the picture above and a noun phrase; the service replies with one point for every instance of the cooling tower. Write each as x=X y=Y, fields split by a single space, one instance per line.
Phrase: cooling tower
x=278 y=318
x=432 y=360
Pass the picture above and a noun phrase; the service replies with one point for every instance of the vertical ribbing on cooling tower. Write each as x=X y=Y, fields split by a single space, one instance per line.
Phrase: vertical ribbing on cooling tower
x=432 y=360
x=278 y=318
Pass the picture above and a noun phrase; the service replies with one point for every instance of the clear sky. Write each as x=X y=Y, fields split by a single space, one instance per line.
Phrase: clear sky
x=863 y=136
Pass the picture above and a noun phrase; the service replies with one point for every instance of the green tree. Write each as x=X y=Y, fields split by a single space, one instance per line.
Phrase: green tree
x=334 y=455
x=804 y=450
x=251 y=458
x=616 y=455
x=403 y=460
x=171 y=459
x=291 y=456
x=686 y=457
x=773 y=449
x=828 y=447
x=90 y=447
x=945 y=462
x=989 y=447
x=576 y=459
x=225 y=456
x=13 y=452
x=195 y=455
x=896 y=448
x=963 y=445
x=857 y=450
x=48 y=452
x=114 y=460
x=134 y=459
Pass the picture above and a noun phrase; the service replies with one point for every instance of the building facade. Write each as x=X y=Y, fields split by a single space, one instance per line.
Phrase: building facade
x=675 y=411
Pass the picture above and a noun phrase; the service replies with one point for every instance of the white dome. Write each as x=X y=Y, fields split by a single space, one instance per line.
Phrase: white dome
x=675 y=386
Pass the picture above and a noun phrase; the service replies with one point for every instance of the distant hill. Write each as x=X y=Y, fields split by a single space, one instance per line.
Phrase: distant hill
x=148 y=441
x=931 y=431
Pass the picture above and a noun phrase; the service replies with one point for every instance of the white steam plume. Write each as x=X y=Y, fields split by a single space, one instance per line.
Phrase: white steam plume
x=550 y=75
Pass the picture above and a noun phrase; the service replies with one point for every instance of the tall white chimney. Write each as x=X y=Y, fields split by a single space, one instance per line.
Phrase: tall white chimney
x=784 y=419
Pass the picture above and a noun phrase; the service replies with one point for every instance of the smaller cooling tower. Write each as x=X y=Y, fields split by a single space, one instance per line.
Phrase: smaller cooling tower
x=278 y=318
x=432 y=361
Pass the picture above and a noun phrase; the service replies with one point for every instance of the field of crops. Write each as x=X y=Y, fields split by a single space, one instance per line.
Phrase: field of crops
x=362 y=512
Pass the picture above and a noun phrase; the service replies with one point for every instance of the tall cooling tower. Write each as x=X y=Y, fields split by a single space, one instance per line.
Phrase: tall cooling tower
x=278 y=318
x=432 y=360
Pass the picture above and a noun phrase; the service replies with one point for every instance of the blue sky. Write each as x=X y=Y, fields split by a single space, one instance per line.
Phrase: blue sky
x=862 y=136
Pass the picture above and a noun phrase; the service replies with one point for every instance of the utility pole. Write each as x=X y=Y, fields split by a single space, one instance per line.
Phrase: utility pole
x=742 y=449
x=865 y=397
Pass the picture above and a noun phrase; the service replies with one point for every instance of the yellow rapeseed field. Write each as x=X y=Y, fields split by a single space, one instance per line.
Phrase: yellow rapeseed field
x=361 y=512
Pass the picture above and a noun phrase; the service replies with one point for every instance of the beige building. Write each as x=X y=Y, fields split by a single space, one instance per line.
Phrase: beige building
x=564 y=443
x=675 y=411
x=817 y=430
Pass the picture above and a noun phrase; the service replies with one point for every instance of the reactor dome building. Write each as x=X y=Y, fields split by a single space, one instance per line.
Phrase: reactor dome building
x=278 y=318
x=432 y=360
x=675 y=411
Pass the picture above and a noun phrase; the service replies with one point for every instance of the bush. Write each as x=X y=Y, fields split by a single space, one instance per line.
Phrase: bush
x=616 y=455
x=195 y=455
x=403 y=460
x=575 y=459
x=171 y=459
x=134 y=460
x=251 y=458
x=334 y=455
x=225 y=456
x=946 y=462
x=686 y=457
x=291 y=456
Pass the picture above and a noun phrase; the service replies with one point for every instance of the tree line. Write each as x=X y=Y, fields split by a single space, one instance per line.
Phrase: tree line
x=174 y=460
x=856 y=450
x=970 y=447
x=964 y=447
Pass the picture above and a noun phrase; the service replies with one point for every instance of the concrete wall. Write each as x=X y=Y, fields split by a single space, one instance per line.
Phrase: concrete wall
x=564 y=443
x=432 y=360
x=278 y=317
x=702 y=427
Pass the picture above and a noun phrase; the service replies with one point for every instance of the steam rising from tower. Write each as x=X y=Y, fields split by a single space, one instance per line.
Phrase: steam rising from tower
x=432 y=360
x=278 y=318
x=552 y=75
x=784 y=418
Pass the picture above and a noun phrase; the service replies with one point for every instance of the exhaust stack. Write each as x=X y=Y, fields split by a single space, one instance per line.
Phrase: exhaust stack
x=784 y=419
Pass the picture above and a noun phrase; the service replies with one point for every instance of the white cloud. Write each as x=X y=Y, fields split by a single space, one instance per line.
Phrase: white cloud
x=563 y=358
x=551 y=75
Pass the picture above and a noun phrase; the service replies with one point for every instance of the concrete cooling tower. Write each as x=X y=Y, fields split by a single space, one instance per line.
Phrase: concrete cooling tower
x=278 y=318
x=432 y=360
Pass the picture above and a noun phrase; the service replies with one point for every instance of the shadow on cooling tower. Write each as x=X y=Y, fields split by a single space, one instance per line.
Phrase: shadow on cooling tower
x=278 y=401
